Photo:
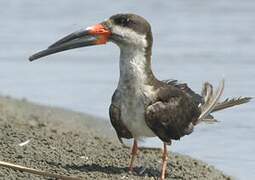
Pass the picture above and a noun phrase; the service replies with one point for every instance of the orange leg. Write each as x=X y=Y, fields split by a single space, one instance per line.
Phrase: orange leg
x=164 y=162
x=133 y=154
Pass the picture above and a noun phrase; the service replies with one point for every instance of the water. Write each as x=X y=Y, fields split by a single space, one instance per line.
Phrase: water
x=194 y=41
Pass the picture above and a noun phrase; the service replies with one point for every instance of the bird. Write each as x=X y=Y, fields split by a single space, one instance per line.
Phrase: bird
x=143 y=106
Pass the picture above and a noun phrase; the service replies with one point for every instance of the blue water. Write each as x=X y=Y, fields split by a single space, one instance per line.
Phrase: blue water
x=194 y=41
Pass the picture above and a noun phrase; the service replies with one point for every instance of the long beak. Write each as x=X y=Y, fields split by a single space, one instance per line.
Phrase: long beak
x=94 y=35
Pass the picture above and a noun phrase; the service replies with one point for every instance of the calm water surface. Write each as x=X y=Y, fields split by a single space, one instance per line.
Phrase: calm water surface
x=194 y=41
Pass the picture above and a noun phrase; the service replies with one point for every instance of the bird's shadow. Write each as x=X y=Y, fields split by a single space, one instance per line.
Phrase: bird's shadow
x=137 y=171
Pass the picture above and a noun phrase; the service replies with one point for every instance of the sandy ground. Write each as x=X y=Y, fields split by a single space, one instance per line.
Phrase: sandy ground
x=75 y=144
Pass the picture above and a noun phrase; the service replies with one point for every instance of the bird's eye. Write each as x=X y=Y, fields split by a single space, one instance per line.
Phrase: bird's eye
x=123 y=21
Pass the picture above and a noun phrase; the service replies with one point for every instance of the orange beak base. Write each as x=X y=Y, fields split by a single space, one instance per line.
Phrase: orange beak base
x=101 y=32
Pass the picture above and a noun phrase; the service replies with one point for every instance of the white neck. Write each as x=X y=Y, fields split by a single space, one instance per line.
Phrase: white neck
x=133 y=64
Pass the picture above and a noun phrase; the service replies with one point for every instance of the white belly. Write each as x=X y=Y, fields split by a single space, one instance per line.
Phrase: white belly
x=133 y=116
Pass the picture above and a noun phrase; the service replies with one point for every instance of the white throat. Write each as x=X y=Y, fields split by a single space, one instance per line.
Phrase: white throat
x=133 y=62
x=132 y=66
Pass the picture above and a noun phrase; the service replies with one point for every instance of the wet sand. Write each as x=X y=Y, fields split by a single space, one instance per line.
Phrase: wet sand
x=75 y=144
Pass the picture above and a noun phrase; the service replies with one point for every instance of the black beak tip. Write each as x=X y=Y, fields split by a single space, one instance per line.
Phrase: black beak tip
x=35 y=56
x=31 y=58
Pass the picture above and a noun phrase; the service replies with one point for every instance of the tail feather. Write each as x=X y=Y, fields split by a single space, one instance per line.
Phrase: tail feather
x=231 y=102
x=207 y=92
x=210 y=99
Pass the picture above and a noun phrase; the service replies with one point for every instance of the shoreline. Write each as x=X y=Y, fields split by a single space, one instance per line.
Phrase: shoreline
x=65 y=142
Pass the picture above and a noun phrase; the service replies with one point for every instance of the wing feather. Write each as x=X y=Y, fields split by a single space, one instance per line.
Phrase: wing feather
x=172 y=114
x=115 y=117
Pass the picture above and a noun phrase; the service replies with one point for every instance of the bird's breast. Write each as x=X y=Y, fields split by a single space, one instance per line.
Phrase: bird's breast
x=133 y=105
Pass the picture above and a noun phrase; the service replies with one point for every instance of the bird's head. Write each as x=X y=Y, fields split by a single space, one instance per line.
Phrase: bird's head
x=125 y=30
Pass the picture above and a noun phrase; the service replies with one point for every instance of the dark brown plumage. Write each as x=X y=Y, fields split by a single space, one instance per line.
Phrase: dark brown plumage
x=115 y=117
x=172 y=114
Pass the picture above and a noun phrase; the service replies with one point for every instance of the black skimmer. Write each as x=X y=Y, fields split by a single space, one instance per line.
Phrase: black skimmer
x=142 y=106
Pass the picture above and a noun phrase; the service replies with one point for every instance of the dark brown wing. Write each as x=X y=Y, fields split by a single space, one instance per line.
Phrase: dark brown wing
x=185 y=88
x=172 y=115
x=115 y=117
x=197 y=98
